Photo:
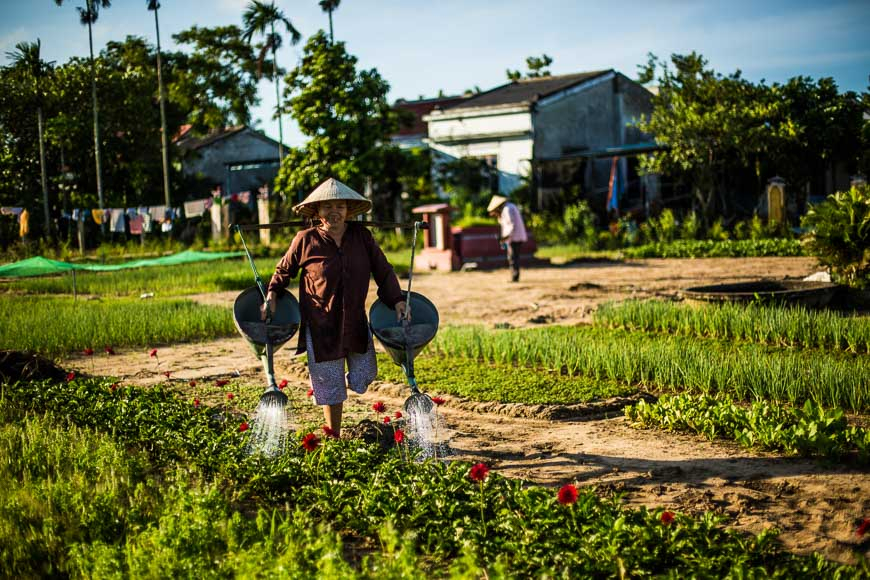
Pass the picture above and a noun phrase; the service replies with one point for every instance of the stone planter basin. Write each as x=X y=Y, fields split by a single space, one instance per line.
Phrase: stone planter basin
x=793 y=292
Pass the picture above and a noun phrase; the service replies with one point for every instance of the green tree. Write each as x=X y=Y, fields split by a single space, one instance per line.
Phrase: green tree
x=154 y=5
x=26 y=58
x=344 y=113
x=710 y=125
x=88 y=16
x=330 y=6
x=260 y=18
x=536 y=65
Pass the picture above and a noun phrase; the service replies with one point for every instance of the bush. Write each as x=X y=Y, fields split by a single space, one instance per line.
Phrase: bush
x=839 y=235
x=579 y=223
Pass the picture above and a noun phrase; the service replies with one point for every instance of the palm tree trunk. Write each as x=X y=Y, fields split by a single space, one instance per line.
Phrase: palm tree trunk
x=331 y=37
x=47 y=229
x=163 y=136
x=277 y=101
x=97 y=156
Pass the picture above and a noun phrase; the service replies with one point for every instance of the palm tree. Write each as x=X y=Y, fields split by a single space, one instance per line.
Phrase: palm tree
x=155 y=6
x=330 y=6
x=257 y=19
x=88 y=15
x=26 y=57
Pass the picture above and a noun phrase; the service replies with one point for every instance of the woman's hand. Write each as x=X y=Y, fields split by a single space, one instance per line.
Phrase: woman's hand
x=270 y=303
x=402 y=311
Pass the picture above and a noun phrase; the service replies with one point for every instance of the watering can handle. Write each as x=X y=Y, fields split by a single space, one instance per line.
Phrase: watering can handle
x=417 y=226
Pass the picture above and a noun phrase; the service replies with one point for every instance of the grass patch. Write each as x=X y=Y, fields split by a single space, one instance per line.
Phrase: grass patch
x=54 y=326
x=797 y=327
x=717 y=249
x=504 y=384
x=746 y=371
x=564 y=253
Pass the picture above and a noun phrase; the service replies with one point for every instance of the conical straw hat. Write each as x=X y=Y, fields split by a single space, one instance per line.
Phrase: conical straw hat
x=333 y=189
x=496 y=202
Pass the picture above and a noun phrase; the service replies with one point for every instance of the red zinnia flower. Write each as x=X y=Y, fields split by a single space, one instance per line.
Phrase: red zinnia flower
x=153 y=352
x=167 y=373
x=230 y=396
x=243 y=427
x=863 y=528
x=399 y=436
x=113 y=387
x=310 y=442
x=191 y=383
x=397 y=415
x=310 y=392
x=221 y=383
x=379 y=407
x=70 y=376
x=329 y=431
x=283 y=384
x=109 y=350
x=567 y=494
x=88 y=352
x=438 y=401
x=386 y=419
x=478 y=472
x=196 y=403
x=667 y=518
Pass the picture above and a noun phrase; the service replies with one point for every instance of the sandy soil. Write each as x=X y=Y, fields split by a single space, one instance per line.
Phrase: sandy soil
x=815 y=506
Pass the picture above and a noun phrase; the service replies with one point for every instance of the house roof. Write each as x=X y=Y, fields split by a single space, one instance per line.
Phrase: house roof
x=419 y=109
x=193 y=143
x=527 y=90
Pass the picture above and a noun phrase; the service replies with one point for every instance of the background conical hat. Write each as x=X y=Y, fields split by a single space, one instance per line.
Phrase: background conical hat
x=333 y=189
x=496 y=202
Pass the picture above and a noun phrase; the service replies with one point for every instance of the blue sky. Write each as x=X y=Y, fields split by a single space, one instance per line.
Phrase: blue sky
x=421 y=47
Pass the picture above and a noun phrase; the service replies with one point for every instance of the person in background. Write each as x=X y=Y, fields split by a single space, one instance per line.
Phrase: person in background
x=336 y=260
x=513 y=231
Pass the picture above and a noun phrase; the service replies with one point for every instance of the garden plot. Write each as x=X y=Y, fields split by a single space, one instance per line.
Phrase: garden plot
x=813 y=503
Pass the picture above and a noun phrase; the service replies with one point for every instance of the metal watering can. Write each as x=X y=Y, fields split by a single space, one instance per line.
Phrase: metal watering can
x=266 y=337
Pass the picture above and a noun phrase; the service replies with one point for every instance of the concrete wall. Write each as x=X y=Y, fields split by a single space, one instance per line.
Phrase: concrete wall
x=636 y=103
x=211 y=160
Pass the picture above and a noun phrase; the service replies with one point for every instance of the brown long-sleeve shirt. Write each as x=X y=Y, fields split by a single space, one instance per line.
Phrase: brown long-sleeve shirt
x=333 y=286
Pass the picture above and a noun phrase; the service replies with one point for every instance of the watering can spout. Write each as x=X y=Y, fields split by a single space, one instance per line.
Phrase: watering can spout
x=273 y=396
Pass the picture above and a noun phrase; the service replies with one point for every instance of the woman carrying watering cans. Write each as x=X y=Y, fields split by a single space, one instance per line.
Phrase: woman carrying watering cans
x=336 y=260
x=513 y=231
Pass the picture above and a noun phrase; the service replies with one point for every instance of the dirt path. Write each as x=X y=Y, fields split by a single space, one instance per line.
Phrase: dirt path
x=814 y=505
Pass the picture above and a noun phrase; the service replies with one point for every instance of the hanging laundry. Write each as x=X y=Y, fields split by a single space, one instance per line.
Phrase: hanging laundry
x=16 y=211
x=166 y=226
x=158 y=213
x=116 y=223
x=194 y=208
x=97 y=214
x=23 y=223
x=245 y=197
x=209 y=201
x=136 y=224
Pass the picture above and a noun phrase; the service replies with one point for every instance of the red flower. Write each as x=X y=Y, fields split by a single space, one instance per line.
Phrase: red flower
x=667 y=518
x=234 y=197
x=195 y=403
x=230 y=396
x=283 y=384
x=310 y=392
x=243 y=427
x=310 y=442
x=438 y=401
x=221 y=383
x=167 y=373
x=478 y=472
x=863 y=528
x=88 y=352
x=399 y=436
x=397 y=414
x=379 y=407
x=567 y=494
x=70 y=376
x=113 y=387
x=191 y=383
x=329 y=431
x=109 y=350
x=386 y=420
x=153 y=352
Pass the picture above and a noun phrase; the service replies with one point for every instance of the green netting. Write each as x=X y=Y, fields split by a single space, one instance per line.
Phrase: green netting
x=40 y=266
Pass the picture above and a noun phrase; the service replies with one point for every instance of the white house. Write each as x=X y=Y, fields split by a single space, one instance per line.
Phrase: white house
x=557 y=131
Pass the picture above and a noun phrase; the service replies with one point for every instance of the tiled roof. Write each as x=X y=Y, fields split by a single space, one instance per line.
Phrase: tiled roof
x=527 y=90
x=194 y=143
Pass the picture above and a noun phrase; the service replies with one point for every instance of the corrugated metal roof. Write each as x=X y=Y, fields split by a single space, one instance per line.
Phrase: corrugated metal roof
x=526 y=90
